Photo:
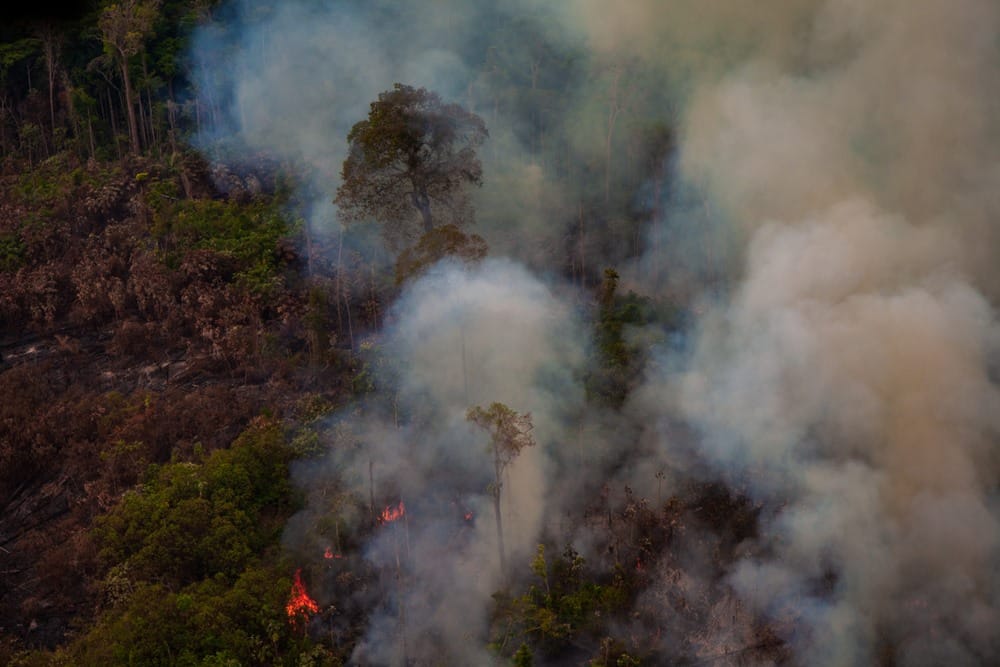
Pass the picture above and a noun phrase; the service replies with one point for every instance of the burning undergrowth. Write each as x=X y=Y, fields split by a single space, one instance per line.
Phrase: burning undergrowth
x=409 y=479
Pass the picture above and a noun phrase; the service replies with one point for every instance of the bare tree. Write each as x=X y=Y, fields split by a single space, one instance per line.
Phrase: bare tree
x=510 y=432
x=51 y=45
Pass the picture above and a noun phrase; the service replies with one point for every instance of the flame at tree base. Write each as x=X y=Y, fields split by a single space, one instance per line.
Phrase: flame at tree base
x=300 y=606
x=390 y=513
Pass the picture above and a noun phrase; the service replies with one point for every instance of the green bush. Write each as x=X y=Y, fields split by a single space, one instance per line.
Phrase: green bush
x=246 y=233
x=192 y=521
x=11 y=252
x=617 y=362
x=207 y=623
x=564 y=605
x=193 y=573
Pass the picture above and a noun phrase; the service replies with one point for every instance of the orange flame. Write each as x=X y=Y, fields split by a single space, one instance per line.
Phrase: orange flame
x=328 y=554
x=300 y=605
x=390 y=513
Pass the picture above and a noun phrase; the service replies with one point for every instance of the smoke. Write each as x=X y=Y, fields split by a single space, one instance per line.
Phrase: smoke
x=847 y=379
x=832 y=173
x=450 y=345
x=290 y=79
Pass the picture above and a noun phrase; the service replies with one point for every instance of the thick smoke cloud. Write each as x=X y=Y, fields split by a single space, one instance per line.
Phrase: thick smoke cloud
x=834 y=164
x=847 y=379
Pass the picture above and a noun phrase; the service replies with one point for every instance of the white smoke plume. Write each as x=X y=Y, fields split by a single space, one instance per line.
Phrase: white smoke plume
x=457 y=337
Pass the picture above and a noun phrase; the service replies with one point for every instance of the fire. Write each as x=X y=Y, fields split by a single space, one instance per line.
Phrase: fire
x=300 y=605
x=328 y=554
x=390 y=513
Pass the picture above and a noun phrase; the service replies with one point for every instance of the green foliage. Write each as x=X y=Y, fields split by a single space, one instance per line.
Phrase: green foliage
x=510 y=431
x=377 y=373
x=193 y=521
x=57 y=178
x=523 y=657
x=207 y=623
x=613 y=654
x=248 y=234
x=440 y=242
x=186 y=583
x=11 y=252
x=13 y=53
x=37 y=187
x=618 y=360
x=565 y=605
x=413 y=152
x=307 y=439
x=125 y=25
x=318 y=325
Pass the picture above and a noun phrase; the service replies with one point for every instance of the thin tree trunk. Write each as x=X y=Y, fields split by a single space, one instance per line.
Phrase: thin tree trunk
x=171 y=110
x=153 y=139
x=48 y=40
x=114 y=125
x=399 y=592
x=536 y=115
x=340 y=274
x=465 y=374
x=149 y=104
x=309 y=249
x=141 y=118
x=3 y=124
x=496 y=510
x=350 y=323
x=90 y=133
x=373 y=297
x=655 y=227
x=133 y=126
x=613 y=110
x=422 y=203
x=707 y=242
x=74 y=116
x=583 y=251
x=371 y=489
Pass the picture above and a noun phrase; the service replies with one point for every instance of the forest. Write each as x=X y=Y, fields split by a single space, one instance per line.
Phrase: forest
x=529 y=332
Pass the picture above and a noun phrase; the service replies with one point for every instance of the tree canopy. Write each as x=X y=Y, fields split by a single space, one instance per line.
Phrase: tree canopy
x=413 y=153
x=444 y=241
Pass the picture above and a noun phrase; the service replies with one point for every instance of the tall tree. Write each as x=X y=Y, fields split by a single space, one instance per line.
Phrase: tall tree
x=51 y=44
x=124 y=28
x=12 y=54
x=510 y=432
x=413 y=151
